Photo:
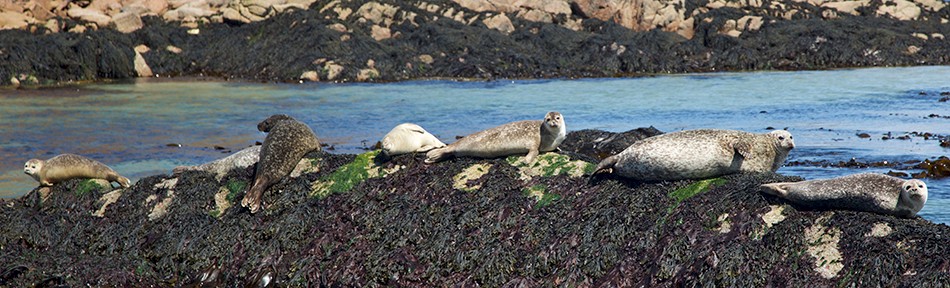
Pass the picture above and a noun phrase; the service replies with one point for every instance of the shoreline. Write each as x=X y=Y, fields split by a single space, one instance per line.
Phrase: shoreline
x=392 y=41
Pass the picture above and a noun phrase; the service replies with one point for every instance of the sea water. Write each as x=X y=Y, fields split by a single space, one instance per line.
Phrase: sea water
x=137 y=127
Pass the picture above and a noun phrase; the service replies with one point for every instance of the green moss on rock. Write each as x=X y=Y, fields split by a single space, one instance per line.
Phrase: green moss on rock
x=86 y=186
x=551 y=164
x=348 y=176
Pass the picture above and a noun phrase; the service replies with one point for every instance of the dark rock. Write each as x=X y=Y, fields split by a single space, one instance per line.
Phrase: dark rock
x=414 y=224
x=863 y=135
x=597 y=144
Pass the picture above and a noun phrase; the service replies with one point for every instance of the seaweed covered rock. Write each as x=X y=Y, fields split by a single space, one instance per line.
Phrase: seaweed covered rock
x=490 y=222
x=390 y=40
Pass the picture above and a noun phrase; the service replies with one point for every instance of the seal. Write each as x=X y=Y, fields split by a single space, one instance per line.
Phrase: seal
x=700 y=154
x=69 y=166
x=239 y=160
x=287 y=141
x=529 y=136
x=869 y=192
x=408 y=138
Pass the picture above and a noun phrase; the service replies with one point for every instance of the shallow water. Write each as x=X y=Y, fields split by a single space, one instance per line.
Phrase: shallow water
x=128 y=125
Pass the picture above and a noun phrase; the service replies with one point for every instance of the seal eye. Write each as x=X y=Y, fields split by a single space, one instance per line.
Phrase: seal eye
x=781 y=137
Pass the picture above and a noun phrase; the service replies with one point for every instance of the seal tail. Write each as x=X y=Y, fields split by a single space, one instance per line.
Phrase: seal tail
x=777 y=189
x=436 y=155
x=252 y=199
x=606 y=165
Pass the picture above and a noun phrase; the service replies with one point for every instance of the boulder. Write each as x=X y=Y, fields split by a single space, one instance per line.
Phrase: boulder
x=311 y=76
x=333 y=70
x=367 y=74
x=381 y=33
x=127 y=22
x=141 y=67
x=850 y=7
x=13 y=20
x=89 y=15
x=501 y=23
x=900 y=9
x=375 y=12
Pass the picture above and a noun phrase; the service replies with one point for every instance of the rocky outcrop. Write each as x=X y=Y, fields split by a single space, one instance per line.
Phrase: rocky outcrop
x=350 y=220
x=482 y=39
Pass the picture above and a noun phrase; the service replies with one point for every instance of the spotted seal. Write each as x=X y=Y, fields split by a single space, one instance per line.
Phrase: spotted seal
x=68 y=166
x=699 y=154
x=408 y=138
x=529 y=136
x=870 y=192
x=287 y=141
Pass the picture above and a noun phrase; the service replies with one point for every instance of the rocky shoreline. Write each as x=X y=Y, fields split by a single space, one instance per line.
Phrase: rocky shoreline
x=352 y=220
x=48 y=42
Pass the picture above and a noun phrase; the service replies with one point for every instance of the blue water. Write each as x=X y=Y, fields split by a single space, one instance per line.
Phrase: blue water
x=128 y=125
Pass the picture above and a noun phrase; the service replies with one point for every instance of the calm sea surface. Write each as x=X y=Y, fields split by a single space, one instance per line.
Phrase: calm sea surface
x=128 y=125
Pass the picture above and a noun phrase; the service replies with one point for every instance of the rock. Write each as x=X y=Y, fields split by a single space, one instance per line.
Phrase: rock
x=900 y=9
x=337 y=27
x=173 y=49
x=367 y=74
x=381 y=33
x=426 y=58
x=158 y=7
x=53 y=25
x=311 y=76
x=141 y=68
x=333 y=70
x=911 y=50
x=535 y=16
x=850 y=7
x=127 y=22
x=77 y=29
x=920 y=35
x=749 y=23
x=377 y=13
x=937 y=36
x=141 y=49
x=13 y=20
x=89 y=15
x=501 y=23
x=232 y=15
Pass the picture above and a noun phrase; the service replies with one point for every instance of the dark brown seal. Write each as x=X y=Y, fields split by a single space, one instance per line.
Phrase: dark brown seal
x=287 y=141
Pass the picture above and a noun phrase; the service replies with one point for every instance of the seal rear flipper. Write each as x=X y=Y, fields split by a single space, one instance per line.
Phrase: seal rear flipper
x=606 y=166
x=252 y=199
x=436 y=155
x=777 y=189
x=425 y=148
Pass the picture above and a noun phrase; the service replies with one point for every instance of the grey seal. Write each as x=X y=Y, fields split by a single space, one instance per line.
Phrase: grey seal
x=287 y=141
x=869 y=192
x=408 y=138
x=529 y=136
x=69 y=166
x=241 y=159
x=700 y=154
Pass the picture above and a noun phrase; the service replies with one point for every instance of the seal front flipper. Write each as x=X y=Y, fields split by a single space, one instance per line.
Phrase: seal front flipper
x=744 y=148
x=532 y=155
x=778 y=189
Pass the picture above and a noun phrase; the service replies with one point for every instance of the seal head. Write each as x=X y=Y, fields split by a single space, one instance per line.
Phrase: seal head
x=408 y=138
